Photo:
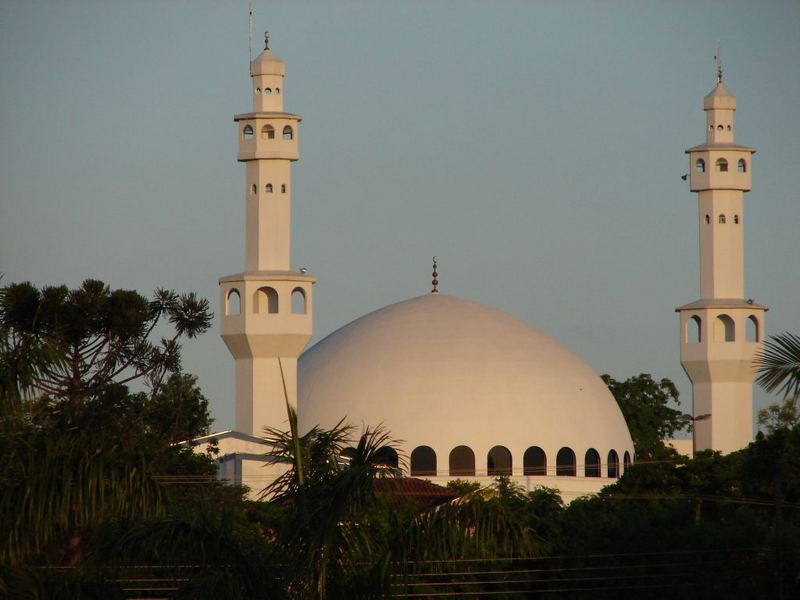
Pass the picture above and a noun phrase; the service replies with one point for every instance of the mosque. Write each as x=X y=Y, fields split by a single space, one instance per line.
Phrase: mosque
x=470 y=391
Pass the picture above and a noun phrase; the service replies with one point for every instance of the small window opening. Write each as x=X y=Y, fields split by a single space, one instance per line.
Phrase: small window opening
x=591 y=463
x=258 y=90
x=534 y=461
x=423 y=462
x=708 y=219
x=565 y=462
x=498 y=461
x=253 y=189
x=266 y=301
x=267 y=132
x=735 y=219
x=462 y=462
x=720 y=127
x=298 y=301
x=729 y=127
x=722 y=165
x=694 y=332
x=267 y=91
x=700 y=165
x=724 y=329
x=742 y=166
x=268 y=188
x=283 y=188
x=626 y=460
x=752 y=329
x=277 y=90
x=233 y=304
x=613 y=464
x=247 y=132
x=287 y=133
x=721 y=219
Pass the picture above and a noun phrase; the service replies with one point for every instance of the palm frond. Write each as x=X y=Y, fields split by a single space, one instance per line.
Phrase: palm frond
x=778 y=364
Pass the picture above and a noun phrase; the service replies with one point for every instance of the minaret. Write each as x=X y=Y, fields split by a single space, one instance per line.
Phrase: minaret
x=267 y=309
x=721 y=331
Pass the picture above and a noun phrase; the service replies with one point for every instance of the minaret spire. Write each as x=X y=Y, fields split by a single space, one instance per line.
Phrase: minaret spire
x=718 y=63
x=721 y=331
x=435 y=275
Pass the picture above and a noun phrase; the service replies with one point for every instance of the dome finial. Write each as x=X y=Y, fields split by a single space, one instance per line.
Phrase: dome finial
x=266 y=40
x=718 y=62
x=435 y=281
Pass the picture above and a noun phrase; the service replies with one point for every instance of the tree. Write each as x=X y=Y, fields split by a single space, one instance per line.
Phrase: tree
x=645 y=405
x=778 y=364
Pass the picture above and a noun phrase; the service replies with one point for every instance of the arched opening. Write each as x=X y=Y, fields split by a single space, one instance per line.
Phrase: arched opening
x=254 y=189
x=258 y=91
x=462 y=462
x=753 y=334
x=247 y=132
x=613 y=464
x=498 y=461
x=268 y=188
x=565 y=462
x=721 y=219
x=268 y=91
x=534 y=461
x=626 y=461
x=722 y=165
x=724 y=329
x=277 y=90
x=742 y=166
x=267 y=132
x=591 y=463
x=387 y=457
x=287 y=133
x=423 y=461
x=700 y=165
x=233 y=303
x=708 y=219
x=283 y=188
x=694 y=332
x=298 y=301
x=735 y=219
x=266 y=301
x=720 y=127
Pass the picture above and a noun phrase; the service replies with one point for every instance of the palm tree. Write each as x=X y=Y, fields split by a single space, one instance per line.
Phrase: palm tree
x=778 y=364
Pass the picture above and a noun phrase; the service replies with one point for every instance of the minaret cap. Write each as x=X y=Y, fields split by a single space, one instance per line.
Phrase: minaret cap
x=267 y=63
x=719 y=97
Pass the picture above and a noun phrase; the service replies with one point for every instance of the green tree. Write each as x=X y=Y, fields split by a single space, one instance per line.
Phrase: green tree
x=778 y=364
x=645 y=404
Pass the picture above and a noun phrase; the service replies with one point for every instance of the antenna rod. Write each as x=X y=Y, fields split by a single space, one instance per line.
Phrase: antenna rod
x=250 y=39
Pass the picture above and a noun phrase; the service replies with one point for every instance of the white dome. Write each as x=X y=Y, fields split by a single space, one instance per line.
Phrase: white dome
x=443 y=372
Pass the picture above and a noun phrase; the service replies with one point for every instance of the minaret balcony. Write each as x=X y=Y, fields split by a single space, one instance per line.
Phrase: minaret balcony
x=720 y=167
x=268 y=136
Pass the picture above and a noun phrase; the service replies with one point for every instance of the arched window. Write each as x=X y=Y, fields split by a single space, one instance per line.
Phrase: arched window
x=613 y=464
x=626 y=460
x=722 y=165
x=387 y=457
x=721 y=219
x=742 y=166
x=298 y=301
x=498 y=461
x=287 y=133
x=694 y=332
x=258 y=91
x=267 y=132
x=277 y=90
x=753 y=334
x=233 y=303
x=254 y=189
x=268 y=188
x=266 y=301
x=565 y=462
x=534 y=461
x=462 y=462
x=708 y=219
x=283 y=188
x=247 y=132
x=720 y=127
x=700 y=165
x=735 y=219
x=423 y=461
x=267 y=91
x=724 y=329
x=591 y=463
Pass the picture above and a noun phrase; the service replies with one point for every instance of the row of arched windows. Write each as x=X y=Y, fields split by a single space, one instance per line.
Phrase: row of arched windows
x=267 y=132
x=720 y=127
x=267 y=91
x=266 y=300
x=267 y=188
x=721 y=164
x=724 y=329
x=721 y=219
x=461 y=462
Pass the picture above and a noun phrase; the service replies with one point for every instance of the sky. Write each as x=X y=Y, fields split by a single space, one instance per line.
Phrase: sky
x=536 y=148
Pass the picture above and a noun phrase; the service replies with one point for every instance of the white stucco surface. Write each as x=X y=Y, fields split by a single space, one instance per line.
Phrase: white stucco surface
x=442 y=372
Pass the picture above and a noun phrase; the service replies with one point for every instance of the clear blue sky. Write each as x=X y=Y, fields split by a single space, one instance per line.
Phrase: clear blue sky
x=535 y=147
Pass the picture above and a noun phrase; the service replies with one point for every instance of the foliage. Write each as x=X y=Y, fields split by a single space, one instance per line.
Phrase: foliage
x=645 y=405
x=463 y=487
x=778 y=364
x=785 y=415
